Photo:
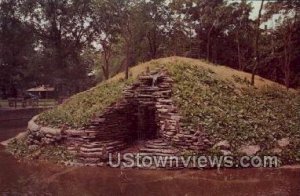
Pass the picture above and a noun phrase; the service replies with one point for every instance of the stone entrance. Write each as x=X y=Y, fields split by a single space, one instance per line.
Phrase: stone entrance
x=145 y=96
x=146 y=115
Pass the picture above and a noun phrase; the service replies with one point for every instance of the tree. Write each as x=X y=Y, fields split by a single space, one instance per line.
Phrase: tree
x=106 y=22
x=17 y=45
x=286 y=34
x=63 y=29
x=241 y=31
x=154 y=16
x=141 y=28
x=55 y=41
x=256 y=44
x=207 y=19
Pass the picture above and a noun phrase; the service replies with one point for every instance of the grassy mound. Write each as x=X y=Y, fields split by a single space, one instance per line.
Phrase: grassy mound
x=218 y=98
x=233 y=110
x=80 y=108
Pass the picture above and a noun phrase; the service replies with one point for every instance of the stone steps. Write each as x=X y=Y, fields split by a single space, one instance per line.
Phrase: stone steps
x=158 y=146
x=123 y=120
x=89 y=150
x=160 y=151
x=151 y=154
x=164 y=151
x=90 y=154
x=94 y=152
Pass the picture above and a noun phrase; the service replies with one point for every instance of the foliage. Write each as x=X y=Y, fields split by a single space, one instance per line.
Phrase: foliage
x=16 y=45
x=20 y=149
x=227 y=108
x=79 y=109
x=46 y=42
x=231 y=109
x=239 y=114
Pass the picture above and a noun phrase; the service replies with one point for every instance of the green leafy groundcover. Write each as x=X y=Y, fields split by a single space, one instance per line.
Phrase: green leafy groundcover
x=240 y=115
x=55 y=153
x=226 y=109
x=79 y=109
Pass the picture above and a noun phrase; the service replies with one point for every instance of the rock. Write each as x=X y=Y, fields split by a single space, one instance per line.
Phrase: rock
x=17 y=137
x=179 y=135
x=176 y=118
x=276 y=150
x=36 y=154
x=283 y=142
x=109 y=131
x=249 y=150
x=87 y=150
x=33 y=147
x=163 y=151
x=52 y=131
x=32 y=126
x=163 y=110
x=91 y=154
x=222 y=145
x=73 y=132
x=226 y=152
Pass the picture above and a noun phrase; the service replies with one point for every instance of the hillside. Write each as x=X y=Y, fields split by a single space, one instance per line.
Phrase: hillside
x=217 y=98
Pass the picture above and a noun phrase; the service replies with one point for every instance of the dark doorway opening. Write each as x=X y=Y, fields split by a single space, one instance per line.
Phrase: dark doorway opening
x=146 y=123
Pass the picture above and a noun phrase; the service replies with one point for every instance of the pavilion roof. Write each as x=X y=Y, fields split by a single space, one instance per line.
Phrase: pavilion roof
x=42 y=88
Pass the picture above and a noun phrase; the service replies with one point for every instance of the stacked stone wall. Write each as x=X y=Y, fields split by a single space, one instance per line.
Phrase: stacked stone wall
x=146 y=112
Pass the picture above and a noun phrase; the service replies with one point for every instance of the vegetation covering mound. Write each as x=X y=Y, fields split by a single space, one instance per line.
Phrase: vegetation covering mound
x=234 y=111
x=80 y=108
x=218 y=99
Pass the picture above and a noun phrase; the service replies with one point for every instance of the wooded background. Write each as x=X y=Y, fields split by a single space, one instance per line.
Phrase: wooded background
x=73 y=44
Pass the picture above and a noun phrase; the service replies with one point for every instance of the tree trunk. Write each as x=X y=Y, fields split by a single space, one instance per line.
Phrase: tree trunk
x=287 y=59
x=208 y=41
x=127 y=62
x=208 y=47
x=239 y=54
x=128 y=37
x=151 y=36
x=288 y=51
x=257 y=55
x=105 y=68
x=106 y=54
